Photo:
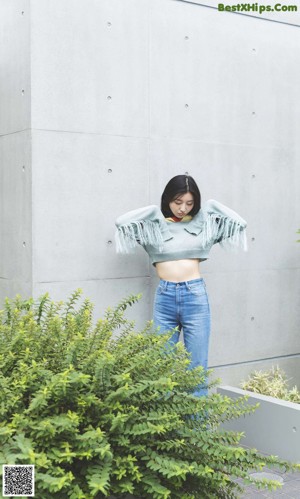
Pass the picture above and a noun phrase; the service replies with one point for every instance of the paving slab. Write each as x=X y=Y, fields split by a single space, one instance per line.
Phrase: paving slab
x=290 y=486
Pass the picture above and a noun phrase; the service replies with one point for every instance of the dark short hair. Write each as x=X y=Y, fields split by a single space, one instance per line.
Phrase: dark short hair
x=175 y=187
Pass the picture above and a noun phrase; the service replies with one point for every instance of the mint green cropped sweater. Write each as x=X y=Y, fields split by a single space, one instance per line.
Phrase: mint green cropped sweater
x=165 y=241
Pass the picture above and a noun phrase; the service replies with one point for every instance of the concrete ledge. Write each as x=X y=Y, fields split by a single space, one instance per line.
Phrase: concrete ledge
x=274 y=428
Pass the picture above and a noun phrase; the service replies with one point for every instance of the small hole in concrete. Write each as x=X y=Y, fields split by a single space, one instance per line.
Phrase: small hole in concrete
x=109 y=170
x=109 y=242
x=109 y=24
x=23 y=91
x=253 y=113
x=253 y=176
x=24 y=244
x=186 y=38
x=186 y=173
x=294 y=429
x=22 y=12
x=23 y=168
x=252 y=318
x=186 y=106
x=109 y=97
x=253 y=239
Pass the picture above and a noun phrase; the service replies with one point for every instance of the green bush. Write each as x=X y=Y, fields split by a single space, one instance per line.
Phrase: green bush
x=104 y=411
x=272 y=382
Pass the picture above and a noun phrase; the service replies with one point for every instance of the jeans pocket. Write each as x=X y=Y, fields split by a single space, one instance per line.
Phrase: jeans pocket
x=197 y=289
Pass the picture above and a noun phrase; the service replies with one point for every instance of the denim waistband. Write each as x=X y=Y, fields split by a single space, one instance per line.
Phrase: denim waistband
x=175 y=284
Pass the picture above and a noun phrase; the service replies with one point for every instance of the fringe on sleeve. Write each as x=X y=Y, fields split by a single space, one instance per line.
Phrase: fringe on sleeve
x=145 y=232
x=231 y=234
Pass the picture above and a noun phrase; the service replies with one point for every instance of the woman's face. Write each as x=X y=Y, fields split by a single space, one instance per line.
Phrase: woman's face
x=182 y=204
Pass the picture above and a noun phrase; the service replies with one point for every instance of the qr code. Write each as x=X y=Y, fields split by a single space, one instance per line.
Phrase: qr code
x=18 y=480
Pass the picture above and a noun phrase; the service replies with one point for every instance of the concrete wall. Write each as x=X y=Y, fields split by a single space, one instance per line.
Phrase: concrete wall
x=122 y=96
x=272 y=429
x=15 y=150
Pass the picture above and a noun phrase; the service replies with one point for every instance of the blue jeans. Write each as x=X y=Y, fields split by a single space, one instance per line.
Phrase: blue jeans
x=185 y=304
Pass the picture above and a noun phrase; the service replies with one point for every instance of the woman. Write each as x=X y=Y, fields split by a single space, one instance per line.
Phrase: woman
x=177 y=237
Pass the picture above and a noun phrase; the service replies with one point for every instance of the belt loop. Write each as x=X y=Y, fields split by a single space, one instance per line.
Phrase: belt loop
x=163 y=284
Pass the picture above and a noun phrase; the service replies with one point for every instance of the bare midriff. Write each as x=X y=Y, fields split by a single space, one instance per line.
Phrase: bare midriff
x=178 y=270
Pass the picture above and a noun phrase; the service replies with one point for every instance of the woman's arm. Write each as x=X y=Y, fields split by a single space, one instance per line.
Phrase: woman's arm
x=142 y=226
x=226 y=226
